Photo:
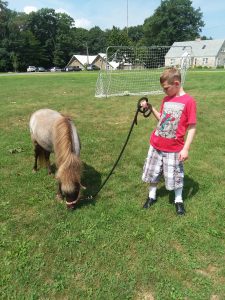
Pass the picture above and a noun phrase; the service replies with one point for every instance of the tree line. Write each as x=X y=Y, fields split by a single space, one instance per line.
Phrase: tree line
x=47 y=38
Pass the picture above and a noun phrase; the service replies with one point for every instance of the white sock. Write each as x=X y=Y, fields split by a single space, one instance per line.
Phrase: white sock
x=178 y=195
x=152 y=191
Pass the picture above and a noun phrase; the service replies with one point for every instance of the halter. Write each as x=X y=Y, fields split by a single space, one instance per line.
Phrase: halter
x=71 y=203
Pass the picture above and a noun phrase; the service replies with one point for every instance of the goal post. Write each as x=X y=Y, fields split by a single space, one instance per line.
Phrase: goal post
x=136 y=70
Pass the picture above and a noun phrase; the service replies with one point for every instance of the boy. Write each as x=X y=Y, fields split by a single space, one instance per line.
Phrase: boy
x=168 y=149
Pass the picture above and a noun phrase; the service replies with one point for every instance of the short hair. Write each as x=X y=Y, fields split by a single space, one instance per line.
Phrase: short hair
x=170 y=75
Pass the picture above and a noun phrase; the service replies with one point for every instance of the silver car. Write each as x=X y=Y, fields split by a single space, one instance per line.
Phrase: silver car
x=31 y=69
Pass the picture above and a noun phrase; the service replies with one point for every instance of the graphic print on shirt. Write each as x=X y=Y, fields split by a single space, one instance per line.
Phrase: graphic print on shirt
x=169 y=120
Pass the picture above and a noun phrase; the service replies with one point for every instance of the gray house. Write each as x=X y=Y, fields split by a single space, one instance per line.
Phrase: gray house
x=204 y=53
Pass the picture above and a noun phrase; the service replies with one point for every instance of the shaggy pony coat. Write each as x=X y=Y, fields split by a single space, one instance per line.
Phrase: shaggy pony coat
x=54 y=132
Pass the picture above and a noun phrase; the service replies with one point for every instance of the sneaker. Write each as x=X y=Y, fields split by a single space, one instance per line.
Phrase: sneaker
x=180 y=210
x=149 y=202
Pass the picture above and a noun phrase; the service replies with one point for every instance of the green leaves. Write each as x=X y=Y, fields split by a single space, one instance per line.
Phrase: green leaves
x=173 y=21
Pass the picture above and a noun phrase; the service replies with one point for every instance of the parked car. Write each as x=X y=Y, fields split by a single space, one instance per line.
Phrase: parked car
x=92 y=68
x=31 y=69
x=55 y=69
x=72 y=69
x=40 y=69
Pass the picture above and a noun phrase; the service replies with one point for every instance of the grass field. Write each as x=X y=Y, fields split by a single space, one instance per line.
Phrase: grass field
x=109 y=248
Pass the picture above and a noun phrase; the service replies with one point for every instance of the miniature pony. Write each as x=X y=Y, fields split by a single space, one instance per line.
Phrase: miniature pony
x=53 y=132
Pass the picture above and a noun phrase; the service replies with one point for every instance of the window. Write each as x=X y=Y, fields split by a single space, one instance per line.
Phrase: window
x=205 y=60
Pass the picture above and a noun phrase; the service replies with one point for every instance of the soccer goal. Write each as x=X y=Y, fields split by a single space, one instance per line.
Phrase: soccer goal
x=136 y=70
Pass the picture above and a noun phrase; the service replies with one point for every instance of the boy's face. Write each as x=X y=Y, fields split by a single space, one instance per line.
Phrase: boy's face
x=171 y=89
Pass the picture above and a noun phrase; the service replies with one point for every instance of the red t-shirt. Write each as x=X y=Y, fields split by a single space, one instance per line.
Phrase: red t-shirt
x=176 y=114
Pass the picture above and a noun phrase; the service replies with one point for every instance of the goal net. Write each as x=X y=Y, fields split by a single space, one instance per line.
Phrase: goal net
x=136 y=71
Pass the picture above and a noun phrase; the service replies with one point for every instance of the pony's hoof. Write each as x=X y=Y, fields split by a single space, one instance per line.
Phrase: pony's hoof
x=34 y=171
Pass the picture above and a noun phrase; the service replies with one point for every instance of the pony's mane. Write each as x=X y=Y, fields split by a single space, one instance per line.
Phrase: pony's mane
x=67 y=162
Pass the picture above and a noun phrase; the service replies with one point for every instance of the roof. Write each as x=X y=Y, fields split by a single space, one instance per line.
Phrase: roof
x=204 y=48
x=84 y=59
x=91 y=59
x=103 y=55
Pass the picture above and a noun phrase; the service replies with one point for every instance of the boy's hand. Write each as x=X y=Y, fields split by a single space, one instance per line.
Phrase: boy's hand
x=183 y=155
x=144 y=104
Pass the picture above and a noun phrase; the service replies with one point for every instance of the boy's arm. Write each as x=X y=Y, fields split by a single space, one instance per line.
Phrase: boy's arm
x=183 y=155
x=155 y=113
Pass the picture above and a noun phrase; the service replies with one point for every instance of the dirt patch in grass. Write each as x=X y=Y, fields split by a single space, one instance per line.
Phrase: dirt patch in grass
x=215 y=297
x=177 y=246
x=212 y=272
x=145 y=296
x=208 y=272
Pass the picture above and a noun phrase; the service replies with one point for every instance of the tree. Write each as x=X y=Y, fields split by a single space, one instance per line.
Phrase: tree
x=173 y=20
x=43 y=25
x=4 y=15
x=21 y=46
x=53 y=31
x=117 y=37
x=4 y=18
x=30 y=51
x=63 y=40
x=46 y=38
x=206 y=38
x=79 y=40
x=136 y=33
x=96 y=40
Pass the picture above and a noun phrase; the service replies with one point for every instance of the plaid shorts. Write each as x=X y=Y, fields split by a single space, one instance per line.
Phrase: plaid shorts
x=160 y=163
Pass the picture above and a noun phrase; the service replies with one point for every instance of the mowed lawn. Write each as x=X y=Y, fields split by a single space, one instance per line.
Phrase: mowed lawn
x=109 y=248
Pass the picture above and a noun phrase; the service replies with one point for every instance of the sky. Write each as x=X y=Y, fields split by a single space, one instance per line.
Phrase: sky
x=119 y=13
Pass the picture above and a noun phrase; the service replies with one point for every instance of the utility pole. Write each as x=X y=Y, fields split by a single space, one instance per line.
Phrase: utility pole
x=127 y=17
x=86 y=44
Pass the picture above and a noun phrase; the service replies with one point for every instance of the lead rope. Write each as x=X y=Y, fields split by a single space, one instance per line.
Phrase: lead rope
x=146 y=113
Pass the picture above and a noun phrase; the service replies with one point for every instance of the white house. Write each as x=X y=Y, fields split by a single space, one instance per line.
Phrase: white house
x=204 y=53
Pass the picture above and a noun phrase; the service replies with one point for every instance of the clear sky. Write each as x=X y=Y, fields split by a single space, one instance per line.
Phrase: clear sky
x=106 y=13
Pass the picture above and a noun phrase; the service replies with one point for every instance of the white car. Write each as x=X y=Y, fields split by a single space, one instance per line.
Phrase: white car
x=31 y=69
x=55 y=69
